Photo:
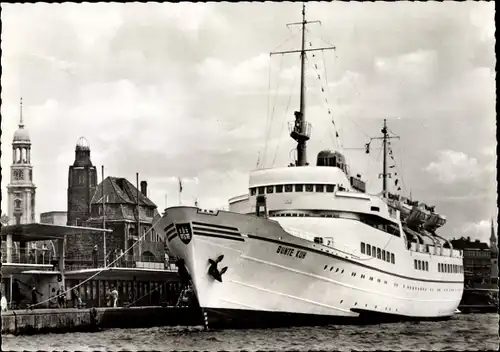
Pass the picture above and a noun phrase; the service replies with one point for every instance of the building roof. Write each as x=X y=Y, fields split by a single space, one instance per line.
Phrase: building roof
x=21 y=135
x=119 y=190
x=42 y=232
x=466 y=243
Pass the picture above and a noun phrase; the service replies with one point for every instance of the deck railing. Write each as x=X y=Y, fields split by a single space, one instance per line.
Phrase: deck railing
x=27 y=256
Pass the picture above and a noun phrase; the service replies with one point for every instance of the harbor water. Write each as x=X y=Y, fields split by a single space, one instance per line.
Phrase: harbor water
x=463 y=332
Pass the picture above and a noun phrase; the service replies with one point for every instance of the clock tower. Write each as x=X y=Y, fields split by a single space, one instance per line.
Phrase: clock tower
x=21 y=189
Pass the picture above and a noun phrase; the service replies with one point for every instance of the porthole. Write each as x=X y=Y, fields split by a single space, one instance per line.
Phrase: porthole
x=356 y=303
x=331 y=268
x=341 y=301
x=342 y=271
x=337 y=270
x=326 y=266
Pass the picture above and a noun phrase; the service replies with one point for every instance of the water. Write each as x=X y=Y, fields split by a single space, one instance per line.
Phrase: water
x=463 y=332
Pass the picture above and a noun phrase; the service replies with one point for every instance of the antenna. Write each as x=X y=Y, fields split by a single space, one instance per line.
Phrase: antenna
x=300 y=129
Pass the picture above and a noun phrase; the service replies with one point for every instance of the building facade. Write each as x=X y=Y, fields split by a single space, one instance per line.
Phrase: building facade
x=21 y=189
x=82 y=182
x=477 y=261
x=54 y=217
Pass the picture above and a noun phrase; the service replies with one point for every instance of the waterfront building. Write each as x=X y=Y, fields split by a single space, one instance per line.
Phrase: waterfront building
x=477 y=261
x=119 y=211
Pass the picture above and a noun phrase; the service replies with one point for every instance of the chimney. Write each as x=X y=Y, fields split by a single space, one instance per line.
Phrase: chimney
x=144 y=188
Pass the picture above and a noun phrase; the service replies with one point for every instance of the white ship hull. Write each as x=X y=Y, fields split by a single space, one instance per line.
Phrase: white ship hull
x=275 y=278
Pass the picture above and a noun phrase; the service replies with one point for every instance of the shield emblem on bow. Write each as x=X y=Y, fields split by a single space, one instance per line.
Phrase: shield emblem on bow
x=184 y=231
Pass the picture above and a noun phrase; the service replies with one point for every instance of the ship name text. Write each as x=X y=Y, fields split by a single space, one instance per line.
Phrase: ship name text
x=291 y=252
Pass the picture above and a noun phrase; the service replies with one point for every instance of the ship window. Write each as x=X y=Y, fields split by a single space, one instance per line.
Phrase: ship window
x=419 y=265
x=363 y=247
x=368 y=250
x=388 y=257
x=379 y=254
x=299 y=188
x=374 y=251
x=309 y=188
x=392 y=258
x=261 y=190
x=253 y=191
x=375 y=209
x=288 y=188
x=279 y=189
x=330 y=188
x=415 y=263
x=320 y=188
x=439 y=267
x=426 y=266
x=269 y=189
x=383 y=255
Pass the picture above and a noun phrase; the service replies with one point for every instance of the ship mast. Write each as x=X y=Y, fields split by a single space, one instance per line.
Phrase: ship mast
x=300 y=129
x=385 y=138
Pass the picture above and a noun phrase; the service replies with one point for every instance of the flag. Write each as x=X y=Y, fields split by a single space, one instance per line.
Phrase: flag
x=180 y=185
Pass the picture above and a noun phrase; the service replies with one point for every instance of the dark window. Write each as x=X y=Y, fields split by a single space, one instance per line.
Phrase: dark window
x=415 y=263
x=320 y=188
x=375 y=208
x=330 y=188
x=387 y=257
x=419 y=265
x=426 y=266
x=261 y=190
x=374 y=251
x=269 y=189
x=288 y=188
x=392 y=258
x=309 y=188
x=279 y=189
x=379 y=253
x=299 y=188
x=383 y=255
x=362 y=247
x=368 y=250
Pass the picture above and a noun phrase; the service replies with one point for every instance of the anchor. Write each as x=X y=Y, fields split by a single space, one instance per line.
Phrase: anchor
x=214 y=271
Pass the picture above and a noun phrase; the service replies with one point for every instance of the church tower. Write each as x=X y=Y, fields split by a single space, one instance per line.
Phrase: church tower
x=21 y=189
x=82 y=183
x=494 y=254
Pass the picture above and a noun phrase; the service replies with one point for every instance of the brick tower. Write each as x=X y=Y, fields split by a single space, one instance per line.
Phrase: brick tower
x=82 y=182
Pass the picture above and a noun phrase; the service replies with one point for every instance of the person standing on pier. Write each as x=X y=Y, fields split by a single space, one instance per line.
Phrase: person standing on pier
x=114 y=297
x=3 y=303
x=94 y=256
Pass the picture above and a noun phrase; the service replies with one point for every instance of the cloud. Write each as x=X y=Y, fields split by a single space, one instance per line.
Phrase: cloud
x=477 y=230
x=453 y=166
x=181 y=90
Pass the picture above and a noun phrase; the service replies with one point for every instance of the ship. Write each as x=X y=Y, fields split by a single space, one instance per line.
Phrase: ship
x=307 y=245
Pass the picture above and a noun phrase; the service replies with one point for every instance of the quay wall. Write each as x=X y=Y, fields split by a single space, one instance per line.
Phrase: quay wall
x=63 y=320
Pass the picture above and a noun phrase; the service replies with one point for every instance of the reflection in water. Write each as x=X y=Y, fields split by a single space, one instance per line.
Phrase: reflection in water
x=463 y=332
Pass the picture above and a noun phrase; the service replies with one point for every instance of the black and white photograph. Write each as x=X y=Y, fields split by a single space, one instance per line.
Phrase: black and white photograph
x=249 y=176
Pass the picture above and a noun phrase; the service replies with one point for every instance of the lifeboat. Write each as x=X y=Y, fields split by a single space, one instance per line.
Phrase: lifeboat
x=419 y=215
x=435 y=221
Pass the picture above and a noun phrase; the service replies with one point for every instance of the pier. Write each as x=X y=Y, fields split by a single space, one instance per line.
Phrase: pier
x=20 y=322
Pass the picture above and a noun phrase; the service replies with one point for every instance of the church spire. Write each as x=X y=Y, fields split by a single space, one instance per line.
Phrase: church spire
x=21 y=123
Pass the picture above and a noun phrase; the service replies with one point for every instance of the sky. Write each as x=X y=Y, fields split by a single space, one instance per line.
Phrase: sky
x=190 y=91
